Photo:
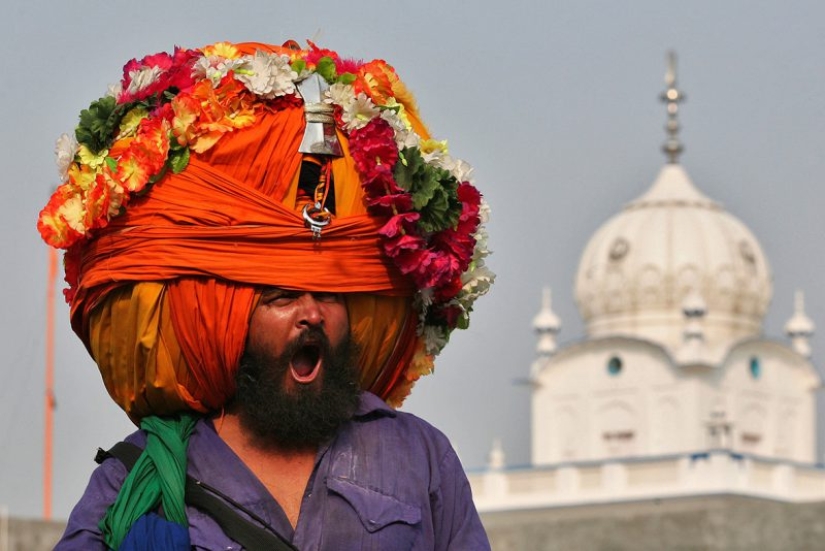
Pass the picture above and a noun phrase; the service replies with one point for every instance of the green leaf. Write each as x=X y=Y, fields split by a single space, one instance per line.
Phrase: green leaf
x=178 y=159
x=405 y=171
x=111 y=163
x=155 y=178
x=441 y=212
x=346 y=78
x=96 y=129
x=326 y=68
x=299 y=65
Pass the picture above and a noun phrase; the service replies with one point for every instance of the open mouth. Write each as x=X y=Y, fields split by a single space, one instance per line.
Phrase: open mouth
x=306 y=363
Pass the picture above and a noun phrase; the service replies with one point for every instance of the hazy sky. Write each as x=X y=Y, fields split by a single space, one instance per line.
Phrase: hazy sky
x=554 y=103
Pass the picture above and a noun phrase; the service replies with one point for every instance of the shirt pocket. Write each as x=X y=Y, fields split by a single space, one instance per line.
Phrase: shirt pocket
x=389 y=523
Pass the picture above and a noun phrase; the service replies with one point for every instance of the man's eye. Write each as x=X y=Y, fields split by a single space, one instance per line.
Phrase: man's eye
x=327 y=297
x=278 y=297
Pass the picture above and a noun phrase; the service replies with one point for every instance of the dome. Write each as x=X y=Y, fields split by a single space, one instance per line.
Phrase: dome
x=672 y=243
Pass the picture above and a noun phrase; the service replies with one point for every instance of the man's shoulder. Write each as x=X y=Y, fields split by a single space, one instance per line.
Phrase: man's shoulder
x=375 y=415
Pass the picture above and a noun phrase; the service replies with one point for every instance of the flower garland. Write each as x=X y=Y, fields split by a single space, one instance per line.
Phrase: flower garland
x=169 y=106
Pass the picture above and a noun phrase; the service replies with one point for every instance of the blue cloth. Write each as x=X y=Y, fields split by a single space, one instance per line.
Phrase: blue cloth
x=153 y=533
x=388 y=480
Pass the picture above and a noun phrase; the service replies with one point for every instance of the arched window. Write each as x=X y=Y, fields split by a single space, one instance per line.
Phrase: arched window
x=755 y=367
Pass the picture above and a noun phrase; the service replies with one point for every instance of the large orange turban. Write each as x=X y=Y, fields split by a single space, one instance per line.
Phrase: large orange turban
x=177 y=213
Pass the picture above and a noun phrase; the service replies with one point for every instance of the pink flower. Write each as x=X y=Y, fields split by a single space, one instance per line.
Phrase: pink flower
x=156 y=73
x=401 y=223
x=403 y=244
x=470 y=198
x=348 y=66
x=392 y=204
x=315 y=54
x=373 y=145
x=380 y=181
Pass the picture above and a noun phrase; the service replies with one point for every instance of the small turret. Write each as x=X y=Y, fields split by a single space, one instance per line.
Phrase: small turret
x=547 y=325
x=800 y=328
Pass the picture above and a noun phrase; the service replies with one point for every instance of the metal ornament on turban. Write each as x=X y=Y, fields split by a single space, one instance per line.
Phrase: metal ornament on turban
x=211 y=173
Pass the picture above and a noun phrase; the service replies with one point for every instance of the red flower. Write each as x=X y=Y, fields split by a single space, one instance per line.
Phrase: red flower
x=442 y=266
x=403 y=244
x=447 y=292
x=315 y=54
x=455 y=244
x=348 y=66
x=470 y=198
x=401 y=223
x=174 y=71
x=449 y=314
x=380 y=181
x=392 y=204
x=372 y=146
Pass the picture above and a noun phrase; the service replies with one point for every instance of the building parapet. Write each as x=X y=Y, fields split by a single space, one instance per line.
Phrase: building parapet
x=622 y=479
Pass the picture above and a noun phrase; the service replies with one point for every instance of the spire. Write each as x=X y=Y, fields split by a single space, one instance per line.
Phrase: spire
x=672 y=97
x=495 y=459
x=800 y=328
x=547 y=325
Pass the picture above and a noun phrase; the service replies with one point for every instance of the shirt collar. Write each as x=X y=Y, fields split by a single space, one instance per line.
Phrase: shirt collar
x=371 y=406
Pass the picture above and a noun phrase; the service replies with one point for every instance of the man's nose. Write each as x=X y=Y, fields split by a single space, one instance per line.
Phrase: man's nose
x=309 y=311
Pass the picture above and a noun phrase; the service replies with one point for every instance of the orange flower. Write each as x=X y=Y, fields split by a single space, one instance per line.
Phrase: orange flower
x=378 y=80
x=145 y=156
x=97 y=201
x=225 y=108
x=186 y=109
x=53 y=222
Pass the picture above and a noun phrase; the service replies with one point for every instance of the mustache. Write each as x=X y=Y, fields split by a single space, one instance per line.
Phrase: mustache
x=311 y=336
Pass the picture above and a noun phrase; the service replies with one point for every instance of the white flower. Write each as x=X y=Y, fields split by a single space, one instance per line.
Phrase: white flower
x=114 y=90
x=215 y=68
x=358 y=113
x=484 y=211
x=65 y=149
x=476 y=282
x=394 y=120
x=480 y=250
x=340 y=94
x=406 y=138
x=436 y=157
x=435 y=339
x=462 y=171
x=142 y=78
x=267 y=75
x=425 y=297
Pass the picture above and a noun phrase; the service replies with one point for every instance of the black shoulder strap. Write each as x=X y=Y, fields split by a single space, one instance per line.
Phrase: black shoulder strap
x=251 y=536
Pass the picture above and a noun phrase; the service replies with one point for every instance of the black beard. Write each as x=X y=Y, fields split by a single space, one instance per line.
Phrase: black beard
x=304 y=417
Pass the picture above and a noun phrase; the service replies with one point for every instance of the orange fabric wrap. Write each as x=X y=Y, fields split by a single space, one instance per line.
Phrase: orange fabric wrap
x=208 y=237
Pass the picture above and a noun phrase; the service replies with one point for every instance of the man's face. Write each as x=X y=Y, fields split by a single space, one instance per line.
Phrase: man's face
x=297 y=382
x=282 y=317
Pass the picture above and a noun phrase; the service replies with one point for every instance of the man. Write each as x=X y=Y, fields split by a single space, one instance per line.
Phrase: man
x=263 y=245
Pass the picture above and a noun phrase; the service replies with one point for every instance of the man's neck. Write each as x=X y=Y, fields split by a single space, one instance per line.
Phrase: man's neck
x=284 y=472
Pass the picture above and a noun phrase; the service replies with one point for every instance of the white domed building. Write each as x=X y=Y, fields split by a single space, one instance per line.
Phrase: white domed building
x=673 y=290
x=674 y=392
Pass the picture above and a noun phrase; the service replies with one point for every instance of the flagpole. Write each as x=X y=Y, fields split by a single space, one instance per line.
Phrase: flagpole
x=49 y=395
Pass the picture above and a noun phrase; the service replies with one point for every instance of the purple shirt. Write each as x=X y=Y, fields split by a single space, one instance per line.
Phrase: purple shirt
x=388 y=480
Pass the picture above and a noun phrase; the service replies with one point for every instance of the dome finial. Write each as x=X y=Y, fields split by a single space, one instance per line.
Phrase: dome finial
x=672 y=97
